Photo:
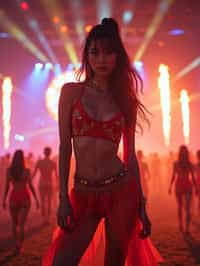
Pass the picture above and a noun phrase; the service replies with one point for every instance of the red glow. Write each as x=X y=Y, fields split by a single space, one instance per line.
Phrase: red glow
x=88 y=28
x=63 y=29
x=56 y=19
x=24 y=6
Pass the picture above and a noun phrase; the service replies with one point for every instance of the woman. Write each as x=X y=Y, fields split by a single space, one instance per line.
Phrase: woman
x=182 y=171
x=19 y=200
x=107 y=192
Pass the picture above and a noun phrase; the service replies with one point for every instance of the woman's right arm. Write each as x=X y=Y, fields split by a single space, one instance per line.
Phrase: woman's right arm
x=65 y=214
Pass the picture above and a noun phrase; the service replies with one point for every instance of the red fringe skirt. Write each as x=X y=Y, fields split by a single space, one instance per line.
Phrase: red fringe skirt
x=118 y=206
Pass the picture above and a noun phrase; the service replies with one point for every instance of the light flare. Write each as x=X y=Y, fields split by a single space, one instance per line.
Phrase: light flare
x=164 y=87
x=7 y=88
x=161 y=11
x=54 y=9
x=53 y=91
x=185 y=108
x=20 y=36
x=194 y=64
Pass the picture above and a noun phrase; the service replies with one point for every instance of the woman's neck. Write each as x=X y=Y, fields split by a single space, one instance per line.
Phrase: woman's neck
x=100 y=83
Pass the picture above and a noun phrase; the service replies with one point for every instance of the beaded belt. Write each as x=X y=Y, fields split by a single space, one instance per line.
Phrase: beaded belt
x=106 y=181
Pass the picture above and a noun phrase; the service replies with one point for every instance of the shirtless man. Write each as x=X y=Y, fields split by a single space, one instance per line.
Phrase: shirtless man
x=47 y=168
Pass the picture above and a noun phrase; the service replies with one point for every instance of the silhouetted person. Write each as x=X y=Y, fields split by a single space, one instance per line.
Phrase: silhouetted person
x=47 y=170
x=19 y=202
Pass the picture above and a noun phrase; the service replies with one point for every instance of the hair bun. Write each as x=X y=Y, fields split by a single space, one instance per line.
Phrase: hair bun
x=111 y=24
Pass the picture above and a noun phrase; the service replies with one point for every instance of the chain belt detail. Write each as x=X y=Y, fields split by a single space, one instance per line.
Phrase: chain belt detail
x=106 y=181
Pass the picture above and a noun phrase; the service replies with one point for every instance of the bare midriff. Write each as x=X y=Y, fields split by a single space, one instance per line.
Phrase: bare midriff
x=97 y=159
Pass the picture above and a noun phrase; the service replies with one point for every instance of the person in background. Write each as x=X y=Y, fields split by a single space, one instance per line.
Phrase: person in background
x=48 y=170
x=182 y=174
x=19 y=200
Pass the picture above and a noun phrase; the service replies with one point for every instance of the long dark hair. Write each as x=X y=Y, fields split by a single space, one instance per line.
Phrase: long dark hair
x=17 y=165
x=124 y=82
x=183 y=157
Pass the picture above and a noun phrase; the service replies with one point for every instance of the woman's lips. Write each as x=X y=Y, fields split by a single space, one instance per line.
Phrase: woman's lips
x=102 y=68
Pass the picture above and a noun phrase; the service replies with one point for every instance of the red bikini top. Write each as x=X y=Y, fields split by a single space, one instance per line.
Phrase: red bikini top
x=84 y=125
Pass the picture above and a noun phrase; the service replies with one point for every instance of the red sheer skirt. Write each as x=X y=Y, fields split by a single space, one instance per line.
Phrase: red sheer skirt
x=117 y=213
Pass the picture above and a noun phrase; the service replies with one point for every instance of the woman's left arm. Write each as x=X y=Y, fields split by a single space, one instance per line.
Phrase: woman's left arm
x=131 y=162
x=130 y=159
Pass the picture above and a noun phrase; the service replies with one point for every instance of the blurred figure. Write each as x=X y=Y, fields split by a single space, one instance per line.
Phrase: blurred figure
x=4 y=164
x=182 y=171
x=144 y=172
x=197 y=174
x=30 y=162
x=19 y=200
x=156 y=172
x=47 y=168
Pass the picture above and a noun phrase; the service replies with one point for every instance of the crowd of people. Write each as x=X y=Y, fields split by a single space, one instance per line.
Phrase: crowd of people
x=159 y=173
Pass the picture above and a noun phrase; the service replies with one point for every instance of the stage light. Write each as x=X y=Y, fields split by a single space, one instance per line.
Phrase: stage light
x=64 y=29
x=75 y=6
x=194 y=64
x=48 y=66
x=57 y=69
x=176 y=32
x=138 y=64
x=53 y=9
x=20 y=36
x=70 y=67
x=56 y=19
x=24 y=6
x=19 y=138
x=53 y=91
x=161 y=11
x=7 y=88
x=88 y=28
x=185 y=108
x=127 y=16
x=34 y=25
x=164 y=87
x=4 y=35
x=38 y=66
x=104 y=9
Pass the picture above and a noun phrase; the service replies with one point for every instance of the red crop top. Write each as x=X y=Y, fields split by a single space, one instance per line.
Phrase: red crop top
x=84 y=125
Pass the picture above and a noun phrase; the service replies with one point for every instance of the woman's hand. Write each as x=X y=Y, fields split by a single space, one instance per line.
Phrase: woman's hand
x=65 y=217
x=146 y=225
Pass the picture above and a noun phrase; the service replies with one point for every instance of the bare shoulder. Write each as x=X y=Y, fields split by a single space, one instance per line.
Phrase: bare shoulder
x=71 y=90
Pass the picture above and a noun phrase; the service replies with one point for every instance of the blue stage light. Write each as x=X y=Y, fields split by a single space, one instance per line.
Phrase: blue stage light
x=38 y=66
x=127 y=16
x=176 y=32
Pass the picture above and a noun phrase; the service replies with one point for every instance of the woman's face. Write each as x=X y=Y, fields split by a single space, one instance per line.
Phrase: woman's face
x=102 y=58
